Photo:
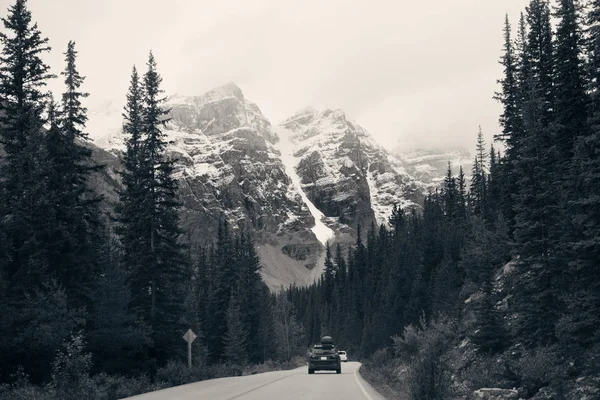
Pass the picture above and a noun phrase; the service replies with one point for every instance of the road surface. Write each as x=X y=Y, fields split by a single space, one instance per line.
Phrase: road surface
x=279 y=385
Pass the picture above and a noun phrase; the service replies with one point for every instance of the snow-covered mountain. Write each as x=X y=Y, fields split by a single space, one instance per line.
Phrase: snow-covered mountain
x=348 y=176
x=307 y=181
x=430 y=166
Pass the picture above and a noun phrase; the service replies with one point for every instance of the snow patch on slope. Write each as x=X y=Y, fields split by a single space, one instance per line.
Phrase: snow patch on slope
x=380 y=212
x=286 y=146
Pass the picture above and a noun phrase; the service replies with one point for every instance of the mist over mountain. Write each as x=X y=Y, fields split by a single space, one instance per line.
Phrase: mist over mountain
x=311 y=179
x=430 y=165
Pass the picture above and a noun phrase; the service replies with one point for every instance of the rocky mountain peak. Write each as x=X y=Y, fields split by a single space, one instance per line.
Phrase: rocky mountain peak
x=309 y=123
x=344 y=172
x=311 y=179
x=219 y=111
x=226 y=91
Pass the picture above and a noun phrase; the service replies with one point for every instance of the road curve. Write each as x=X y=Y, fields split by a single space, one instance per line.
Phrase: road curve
x=279 y=385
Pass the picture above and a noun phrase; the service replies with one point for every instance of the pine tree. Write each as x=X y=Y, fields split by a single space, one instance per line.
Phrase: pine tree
x=235 y=341
x=194 y=315
x=522 y=66
x=27 y=207
x=481 y=152
x=74 y=253
x=432 y=253
x=40 y=322
x=341 y=285
x=166 y=258
x=538 y=58
x=580 y=324
x=494 y=185
x=462 y=192
x=447 y=279
x=288 y=332
x=514 y=126
x=252 y=292
x=148 y=215
x=450 y=196
x=479 y=179
x=489 y=334
x=117 y=338
x=508 y=96
x=131 y=227
x=221 y=279
x=570 y=100
x=536 y=212
x=484 y=252
x=328 y=274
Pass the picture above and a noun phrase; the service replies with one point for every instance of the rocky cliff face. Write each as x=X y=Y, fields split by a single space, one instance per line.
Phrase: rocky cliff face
x=348 y=176
x=309 y=180
x=229 y=167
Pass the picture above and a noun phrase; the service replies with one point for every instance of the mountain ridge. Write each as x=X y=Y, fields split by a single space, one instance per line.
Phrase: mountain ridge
x=232 y=163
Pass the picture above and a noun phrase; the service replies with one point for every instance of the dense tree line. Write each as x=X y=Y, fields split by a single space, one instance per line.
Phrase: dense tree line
x=233 y=307
x=126 y=288
x=536 y=203
x=417 y=266
x=50 y=220
x=121 y=289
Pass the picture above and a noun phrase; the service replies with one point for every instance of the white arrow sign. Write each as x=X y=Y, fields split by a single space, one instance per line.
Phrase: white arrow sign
x=189 y=336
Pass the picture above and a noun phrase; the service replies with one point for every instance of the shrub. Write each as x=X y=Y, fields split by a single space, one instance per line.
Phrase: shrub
x=70 y=371
x=488 y=372
x=176 y=373
x=386 y=374
x=539 y=368
x=26 y=392
x=424 y=349
x=71 y=380
x=406 y=347
x=113 y=387
x=22 y=389
x=223 y=371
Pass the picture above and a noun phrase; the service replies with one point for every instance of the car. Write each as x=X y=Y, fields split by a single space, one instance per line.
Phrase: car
x=343 y=356
x=324 y=357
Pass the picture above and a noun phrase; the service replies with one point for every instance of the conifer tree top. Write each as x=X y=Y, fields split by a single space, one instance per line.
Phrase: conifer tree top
x=22 y=71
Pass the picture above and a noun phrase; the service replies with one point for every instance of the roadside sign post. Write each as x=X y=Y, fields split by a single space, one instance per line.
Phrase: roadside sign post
x=189 y=337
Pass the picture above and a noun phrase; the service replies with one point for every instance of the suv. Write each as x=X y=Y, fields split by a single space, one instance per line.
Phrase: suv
x=324 y=357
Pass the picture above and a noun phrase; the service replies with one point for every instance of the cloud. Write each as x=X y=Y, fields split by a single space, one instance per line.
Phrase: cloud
x=420 y=73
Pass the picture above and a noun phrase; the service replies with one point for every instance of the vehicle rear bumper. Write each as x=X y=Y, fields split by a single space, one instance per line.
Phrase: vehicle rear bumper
x=328 y=365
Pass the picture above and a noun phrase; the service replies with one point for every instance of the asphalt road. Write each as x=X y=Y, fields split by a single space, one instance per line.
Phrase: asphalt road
x=279 y=385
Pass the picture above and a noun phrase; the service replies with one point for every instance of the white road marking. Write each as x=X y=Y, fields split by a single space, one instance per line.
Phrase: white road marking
x=362 y=388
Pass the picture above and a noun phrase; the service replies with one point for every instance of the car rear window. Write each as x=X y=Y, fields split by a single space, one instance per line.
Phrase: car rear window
x=323 y=351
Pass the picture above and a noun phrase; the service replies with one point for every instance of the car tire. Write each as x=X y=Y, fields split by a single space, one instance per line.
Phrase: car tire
x=311 y=371
x=338 y=371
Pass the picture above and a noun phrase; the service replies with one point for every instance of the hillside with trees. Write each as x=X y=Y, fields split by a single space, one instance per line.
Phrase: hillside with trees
x=496 y=284
x=491 y=289
x=95 y=305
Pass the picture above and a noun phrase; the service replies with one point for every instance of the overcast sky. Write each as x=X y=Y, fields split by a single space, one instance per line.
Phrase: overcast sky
x=417 y=73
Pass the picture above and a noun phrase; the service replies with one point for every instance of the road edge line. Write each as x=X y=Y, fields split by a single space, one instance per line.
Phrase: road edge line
x=362 y=388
